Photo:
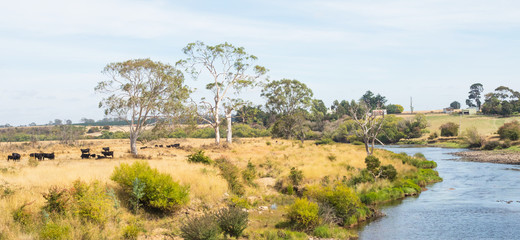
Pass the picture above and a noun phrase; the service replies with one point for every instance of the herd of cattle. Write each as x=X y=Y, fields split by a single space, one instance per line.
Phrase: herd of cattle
x=175 y=145
x=85 y=153
x=39 y=156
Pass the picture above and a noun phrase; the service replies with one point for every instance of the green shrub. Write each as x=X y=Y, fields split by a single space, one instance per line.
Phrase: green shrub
x=246 y=131
x=303 y=214
x=231 y=173
x=332 y=157
x=362 y=177
x=249 y=174
x=473 y=138
x=296 y=176
x=510 y=131
x=492 y=145
x=53 y=231
x=92 y=202
x=201 y=228
x=281 y=234
x=132 y=230
x=449 y=129
x=56 y=200
x=389 y=172
x=323 y=231
x=232 y=221
x=324 y=141
x=199 y=157
x=419 y=161
x=160 y=191
x=372 y=163
x=137 y=194
x=22 y=215
x=419 y=155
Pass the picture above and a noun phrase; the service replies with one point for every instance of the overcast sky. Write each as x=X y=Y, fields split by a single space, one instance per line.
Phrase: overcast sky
x=52 y=52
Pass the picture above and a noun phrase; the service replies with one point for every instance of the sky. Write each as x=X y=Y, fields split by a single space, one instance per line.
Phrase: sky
x=52 y=52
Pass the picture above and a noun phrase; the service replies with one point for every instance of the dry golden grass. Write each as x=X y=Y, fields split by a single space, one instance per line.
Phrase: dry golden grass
x=272 y=158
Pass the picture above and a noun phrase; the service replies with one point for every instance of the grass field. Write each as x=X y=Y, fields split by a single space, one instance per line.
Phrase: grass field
x=208 y=189
x=486 y=125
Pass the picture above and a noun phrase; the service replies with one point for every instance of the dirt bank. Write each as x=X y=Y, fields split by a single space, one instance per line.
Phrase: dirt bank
x=491 y=156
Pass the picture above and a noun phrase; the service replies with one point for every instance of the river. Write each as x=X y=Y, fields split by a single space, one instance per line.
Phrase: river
x=475 y=201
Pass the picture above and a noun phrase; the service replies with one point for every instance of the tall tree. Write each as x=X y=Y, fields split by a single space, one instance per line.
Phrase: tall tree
x=140 y=90
x=475 y=92
x=230 y=69
x=373 y=101
x=289 y=100
x=369 y=125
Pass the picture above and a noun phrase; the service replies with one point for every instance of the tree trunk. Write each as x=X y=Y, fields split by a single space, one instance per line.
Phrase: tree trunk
x=133 y=143
x=366 y=146
x=229 y=136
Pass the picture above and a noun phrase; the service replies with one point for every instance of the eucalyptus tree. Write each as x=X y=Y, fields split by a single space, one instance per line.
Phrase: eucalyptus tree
x=230 y=70
x=140 y=90
x=289 y=100
x=369 y=124
x=475 y=92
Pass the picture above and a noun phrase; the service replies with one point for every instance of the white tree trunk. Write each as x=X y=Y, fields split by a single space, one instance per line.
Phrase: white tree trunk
x=229 y=136
x=133 y=143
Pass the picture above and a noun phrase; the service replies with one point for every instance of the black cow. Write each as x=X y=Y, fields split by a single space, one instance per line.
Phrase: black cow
x=176 y=145
x=101 y=157
x=108 y=154
x=85 y=155
x=106 y=149
x=85 y=151
x=14 y=157
x=38 y=156
x=50 y=156
x=93 y=155
x=144 y=147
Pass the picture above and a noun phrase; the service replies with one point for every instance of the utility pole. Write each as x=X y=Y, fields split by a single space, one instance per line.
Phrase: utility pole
x=411 y=105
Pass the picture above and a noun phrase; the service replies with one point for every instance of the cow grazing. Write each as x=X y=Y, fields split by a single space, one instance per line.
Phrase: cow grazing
x=100 y=157
x=176 y=145
x=85 y=151
x=38 y=156
x=14 y=157
x=85 y=155
x=106 y=149
x=144 y=147
x=93 y=155
x=50 y=156
x=108 y=154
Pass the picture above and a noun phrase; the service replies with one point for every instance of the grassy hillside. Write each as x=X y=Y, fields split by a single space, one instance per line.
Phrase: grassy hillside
x=486 y=125
x=26 y=181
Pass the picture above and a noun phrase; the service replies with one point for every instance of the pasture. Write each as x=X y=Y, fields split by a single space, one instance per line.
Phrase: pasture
x=25 y=182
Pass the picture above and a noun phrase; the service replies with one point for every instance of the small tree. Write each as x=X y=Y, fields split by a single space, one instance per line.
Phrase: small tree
x=229 y=70
x=394 y=108
x=449 y=129
x=369 y=124
x=140 y=90
x=455 y=105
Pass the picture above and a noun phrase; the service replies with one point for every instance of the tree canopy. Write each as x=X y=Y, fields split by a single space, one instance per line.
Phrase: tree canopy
x=141 y=89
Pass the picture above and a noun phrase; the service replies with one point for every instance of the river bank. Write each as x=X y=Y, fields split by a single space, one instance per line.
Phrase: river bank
x=499 y=156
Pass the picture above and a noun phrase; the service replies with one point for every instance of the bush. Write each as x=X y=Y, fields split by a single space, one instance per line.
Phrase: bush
x=346 y=203
x=418 y=162
x=92 y=203
x=232 y=221
x=394 y=108
x=201 y=228
x=249 y=174
x=372 y=163
x=389 y=172
x=22 y=215
x=492 y=145
x=323 y=231
x=56 y=200
x=246 y=131
x=449 y=129
x=510 y=131
x=362 y=177
x=231 y=173
x=296 y=176
x=324 y=141
x=160 y=191
x=199 y=157
x=303 y=214
x=473 y=138
x=53 y=231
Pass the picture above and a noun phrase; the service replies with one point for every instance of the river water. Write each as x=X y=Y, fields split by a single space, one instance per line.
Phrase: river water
x=475 y=201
